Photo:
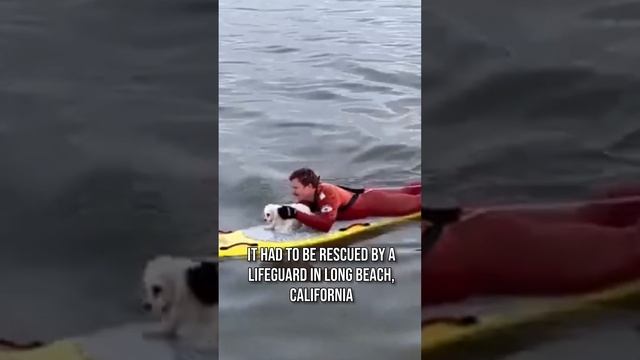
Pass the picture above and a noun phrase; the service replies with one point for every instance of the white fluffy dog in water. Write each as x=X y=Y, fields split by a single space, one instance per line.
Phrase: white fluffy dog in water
x=278 y=224
x=183 y=293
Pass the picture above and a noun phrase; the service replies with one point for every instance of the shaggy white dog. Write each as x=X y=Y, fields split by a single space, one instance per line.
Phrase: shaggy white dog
x=183 y=293
x=280 y=225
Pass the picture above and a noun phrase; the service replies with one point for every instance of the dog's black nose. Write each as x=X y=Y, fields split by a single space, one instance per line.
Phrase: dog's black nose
x=146 y=306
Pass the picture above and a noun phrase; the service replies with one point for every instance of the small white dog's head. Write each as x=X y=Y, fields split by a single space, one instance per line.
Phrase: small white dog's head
x=167 y=280
x=270 y=213
x=161 y=282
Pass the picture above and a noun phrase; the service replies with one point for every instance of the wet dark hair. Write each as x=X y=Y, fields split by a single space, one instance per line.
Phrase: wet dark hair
x=306 y=177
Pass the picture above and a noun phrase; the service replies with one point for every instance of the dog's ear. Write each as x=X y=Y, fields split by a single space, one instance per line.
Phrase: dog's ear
x=203 y=282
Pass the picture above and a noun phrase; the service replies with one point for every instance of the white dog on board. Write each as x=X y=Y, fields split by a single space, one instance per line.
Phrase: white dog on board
x=183 y=293
x=280 y=225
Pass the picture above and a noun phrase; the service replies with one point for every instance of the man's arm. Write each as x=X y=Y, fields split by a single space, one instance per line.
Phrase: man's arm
x=328 y=213
x=321 y=222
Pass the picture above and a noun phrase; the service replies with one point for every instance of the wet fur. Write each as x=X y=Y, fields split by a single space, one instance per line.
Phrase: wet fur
x=187 y=303
x=280 y=225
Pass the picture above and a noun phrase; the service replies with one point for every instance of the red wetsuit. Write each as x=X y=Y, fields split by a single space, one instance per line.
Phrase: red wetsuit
x=337 y=203
x=534 y=251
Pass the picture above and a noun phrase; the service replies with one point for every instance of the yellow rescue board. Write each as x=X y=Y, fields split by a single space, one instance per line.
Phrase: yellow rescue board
x=439 y=336
x=236 y=243
x=61 y=350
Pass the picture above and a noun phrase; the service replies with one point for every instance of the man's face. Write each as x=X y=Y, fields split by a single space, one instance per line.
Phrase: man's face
x=301 y=192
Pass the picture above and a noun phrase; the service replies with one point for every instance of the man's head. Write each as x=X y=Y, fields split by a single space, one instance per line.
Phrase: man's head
x=304 y=183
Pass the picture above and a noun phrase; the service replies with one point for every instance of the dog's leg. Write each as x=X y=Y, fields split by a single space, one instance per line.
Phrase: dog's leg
x=287 y=227
x=167 y=329
x=294 y=226
x=280 y=226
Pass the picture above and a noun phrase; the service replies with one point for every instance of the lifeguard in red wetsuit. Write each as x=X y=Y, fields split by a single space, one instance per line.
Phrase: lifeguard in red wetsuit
x=330 y=202
x=531 y=251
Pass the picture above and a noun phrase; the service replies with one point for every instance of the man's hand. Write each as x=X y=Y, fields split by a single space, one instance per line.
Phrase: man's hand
x=287 y=212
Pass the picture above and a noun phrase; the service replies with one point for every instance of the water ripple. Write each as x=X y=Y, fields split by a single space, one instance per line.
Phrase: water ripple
x=338 y=84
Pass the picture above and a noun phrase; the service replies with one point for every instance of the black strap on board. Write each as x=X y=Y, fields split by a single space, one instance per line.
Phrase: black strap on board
x=438 y=218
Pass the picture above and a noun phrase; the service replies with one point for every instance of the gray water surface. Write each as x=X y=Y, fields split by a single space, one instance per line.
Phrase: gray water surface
x=107 y=115
x=534 y=102
x=333 y=85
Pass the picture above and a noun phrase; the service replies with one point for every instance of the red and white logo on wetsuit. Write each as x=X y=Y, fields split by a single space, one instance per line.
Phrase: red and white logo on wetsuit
x=326 y=209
